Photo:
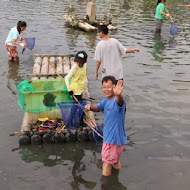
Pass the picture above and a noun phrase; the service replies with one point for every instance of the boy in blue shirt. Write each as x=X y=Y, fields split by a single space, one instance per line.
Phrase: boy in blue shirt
x=114 y=133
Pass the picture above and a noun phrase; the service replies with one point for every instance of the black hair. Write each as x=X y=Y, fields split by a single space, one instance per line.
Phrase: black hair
x=103 y=28
x=80 y=59
x=20 y=24
x=112 y=78
x=159 y=1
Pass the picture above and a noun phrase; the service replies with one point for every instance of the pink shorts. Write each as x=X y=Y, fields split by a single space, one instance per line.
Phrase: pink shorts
x=111 y=153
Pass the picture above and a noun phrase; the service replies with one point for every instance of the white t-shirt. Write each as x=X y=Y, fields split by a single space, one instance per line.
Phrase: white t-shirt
x=109 y=53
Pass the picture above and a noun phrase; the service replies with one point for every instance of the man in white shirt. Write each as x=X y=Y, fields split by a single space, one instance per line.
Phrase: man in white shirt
x=108 y=54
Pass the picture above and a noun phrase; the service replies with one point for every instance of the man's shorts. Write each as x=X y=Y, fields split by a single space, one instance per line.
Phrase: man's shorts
x=111 y=153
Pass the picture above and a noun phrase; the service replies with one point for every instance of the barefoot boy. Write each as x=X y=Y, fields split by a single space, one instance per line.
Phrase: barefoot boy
x=114 y=133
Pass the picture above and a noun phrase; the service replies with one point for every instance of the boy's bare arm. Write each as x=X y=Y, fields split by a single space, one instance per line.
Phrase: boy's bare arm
x=118 y=89
x=92 y=107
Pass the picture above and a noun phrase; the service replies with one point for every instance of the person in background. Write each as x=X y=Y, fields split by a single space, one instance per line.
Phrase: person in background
x=108 y=53
x=187 y=6
x=161 y=12
x=77 y=74
x=11 y=42
x=114 y=133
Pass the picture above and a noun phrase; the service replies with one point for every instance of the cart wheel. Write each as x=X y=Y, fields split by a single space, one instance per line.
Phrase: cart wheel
x=59 y=138
x=24 y=140
x=36 y=139
x=71 y=136
x=47 y=138
x=82 y=136
x=90 y=136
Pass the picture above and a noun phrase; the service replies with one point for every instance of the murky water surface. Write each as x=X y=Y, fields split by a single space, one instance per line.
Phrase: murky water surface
x=157 y=88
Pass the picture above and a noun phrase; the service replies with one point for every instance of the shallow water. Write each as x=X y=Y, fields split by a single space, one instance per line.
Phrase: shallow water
x=156 y=87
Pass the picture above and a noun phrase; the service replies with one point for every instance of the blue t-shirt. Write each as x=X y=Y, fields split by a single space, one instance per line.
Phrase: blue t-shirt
x=114 y=121
x=13 y=34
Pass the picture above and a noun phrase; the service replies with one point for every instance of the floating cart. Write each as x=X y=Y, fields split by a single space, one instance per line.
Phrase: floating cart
x=39 y=101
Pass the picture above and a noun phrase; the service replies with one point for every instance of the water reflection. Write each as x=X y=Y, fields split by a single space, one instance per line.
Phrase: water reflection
x=74 y=35
x=82 y=1
x=91 y=43
x=172 y=42
x=126 y=5
x=112 y=182
x=13 y=76
x=158 y=47
x=70 y=154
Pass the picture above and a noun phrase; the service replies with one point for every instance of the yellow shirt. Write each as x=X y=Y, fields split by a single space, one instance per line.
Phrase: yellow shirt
x=78 y=78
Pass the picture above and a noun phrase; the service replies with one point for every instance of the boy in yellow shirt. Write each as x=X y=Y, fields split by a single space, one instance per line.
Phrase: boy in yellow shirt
x=77 y=74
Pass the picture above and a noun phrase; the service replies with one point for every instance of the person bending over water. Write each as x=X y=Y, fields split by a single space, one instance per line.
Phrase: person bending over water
x=11 y=42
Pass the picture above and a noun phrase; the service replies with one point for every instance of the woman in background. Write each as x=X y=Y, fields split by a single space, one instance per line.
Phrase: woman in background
x=161 y=12
x=11 y=42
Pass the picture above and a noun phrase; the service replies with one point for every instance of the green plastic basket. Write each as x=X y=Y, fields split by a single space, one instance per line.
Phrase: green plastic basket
x=41 y=95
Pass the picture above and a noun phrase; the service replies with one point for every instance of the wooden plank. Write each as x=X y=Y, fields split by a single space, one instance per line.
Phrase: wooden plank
x=25 y=126
x=52 y=55
x=72 y=61
x=85 y=26
x=59 y=63
x=51 y=71
x=72 y=20
x=66 y=65
x=37 y=67
x=44 y=68
x=91 y=11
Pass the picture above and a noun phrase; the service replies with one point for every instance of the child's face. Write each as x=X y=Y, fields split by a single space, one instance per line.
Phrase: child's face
x=22 y=28
x=80 y=64
x=107 y=88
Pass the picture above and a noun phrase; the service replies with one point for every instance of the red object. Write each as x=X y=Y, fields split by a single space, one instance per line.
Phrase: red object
x=22 y=39
x=41 y=129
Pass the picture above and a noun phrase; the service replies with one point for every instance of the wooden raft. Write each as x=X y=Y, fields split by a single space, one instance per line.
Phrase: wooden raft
x=89 y=23
x=42 y=70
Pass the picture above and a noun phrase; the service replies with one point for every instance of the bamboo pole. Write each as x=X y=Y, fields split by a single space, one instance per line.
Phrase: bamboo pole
x=72 y=61
x=37 y=67
x=44 y=68
x=170 y=16
x=66 y=65
x=59 y=62
x=51 y=71
x=85 y=26
x=51 y=55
